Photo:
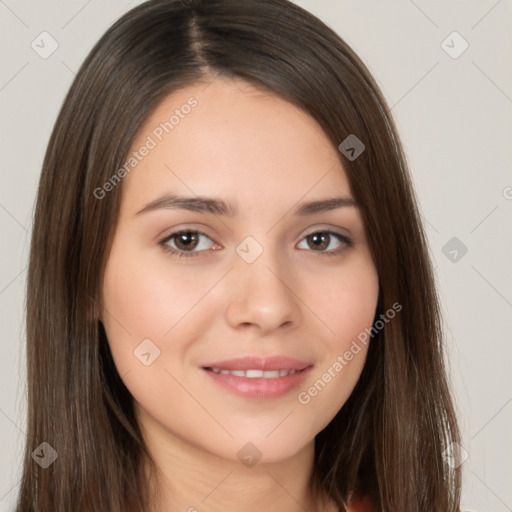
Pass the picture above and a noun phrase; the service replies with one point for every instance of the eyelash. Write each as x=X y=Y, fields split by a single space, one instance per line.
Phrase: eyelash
x=347 y=243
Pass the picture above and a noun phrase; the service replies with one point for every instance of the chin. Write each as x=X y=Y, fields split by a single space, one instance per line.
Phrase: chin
x=252 y=448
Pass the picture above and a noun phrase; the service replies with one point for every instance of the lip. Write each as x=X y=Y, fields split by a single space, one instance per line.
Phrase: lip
x=259 y=363
x=259 y=388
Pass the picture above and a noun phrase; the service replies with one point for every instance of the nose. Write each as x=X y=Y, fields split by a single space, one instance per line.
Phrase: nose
x=262 y=297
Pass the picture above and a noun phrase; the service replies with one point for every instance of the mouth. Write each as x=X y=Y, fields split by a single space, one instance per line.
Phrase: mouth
x=258 y=378
x=255 y=374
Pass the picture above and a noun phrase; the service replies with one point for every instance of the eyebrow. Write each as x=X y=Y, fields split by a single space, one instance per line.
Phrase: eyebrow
x=219 y=207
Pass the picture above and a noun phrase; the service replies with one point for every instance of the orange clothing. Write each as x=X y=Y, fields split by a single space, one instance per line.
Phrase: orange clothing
x=361 y=505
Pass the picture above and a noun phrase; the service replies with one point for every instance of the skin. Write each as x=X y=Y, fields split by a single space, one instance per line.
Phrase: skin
x=264 y=156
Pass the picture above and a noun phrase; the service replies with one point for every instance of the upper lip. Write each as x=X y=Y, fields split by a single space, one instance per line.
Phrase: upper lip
x=259 y=363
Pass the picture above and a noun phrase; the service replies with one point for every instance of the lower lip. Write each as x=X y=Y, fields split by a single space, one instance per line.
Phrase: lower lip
x=261 y=389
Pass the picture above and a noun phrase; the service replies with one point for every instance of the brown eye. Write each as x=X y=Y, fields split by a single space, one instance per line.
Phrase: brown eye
x=326 y=242
x=318 y=241
x=186 y=241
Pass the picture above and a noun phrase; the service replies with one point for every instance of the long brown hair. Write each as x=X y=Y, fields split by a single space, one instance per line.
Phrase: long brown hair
x=387 y=441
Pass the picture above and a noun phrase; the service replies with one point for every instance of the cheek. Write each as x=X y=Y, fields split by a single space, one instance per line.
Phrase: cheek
x=148 y=293
x=354 y=309
x=347 y=307
x=144 y=299
x=346 y=302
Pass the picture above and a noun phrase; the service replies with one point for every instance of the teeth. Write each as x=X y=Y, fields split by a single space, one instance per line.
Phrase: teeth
x=255 y=374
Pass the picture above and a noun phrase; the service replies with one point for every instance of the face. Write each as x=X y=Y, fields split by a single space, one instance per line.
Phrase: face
x=239 y=274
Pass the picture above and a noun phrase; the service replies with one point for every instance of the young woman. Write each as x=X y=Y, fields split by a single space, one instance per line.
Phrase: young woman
x=230 y=303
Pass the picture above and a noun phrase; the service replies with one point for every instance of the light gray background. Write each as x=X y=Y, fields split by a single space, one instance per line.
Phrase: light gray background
x=455 y=120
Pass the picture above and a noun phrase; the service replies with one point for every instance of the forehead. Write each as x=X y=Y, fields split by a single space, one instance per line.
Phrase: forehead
x=232 y=139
